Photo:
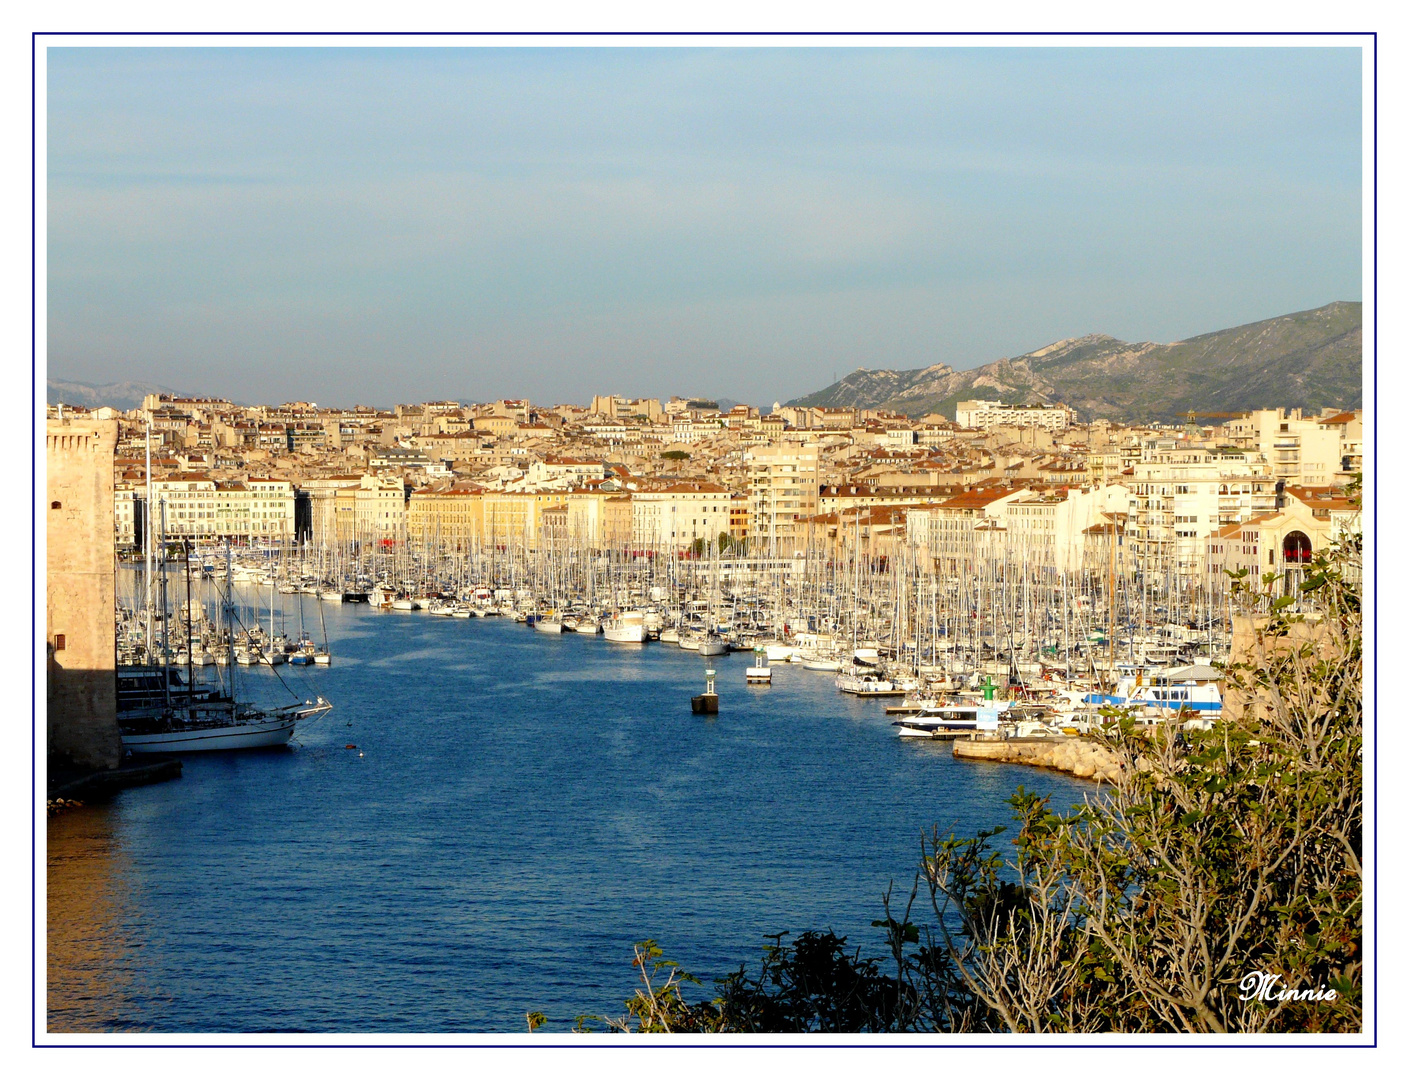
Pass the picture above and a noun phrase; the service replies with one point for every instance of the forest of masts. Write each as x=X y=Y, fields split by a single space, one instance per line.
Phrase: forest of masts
x=996 y=602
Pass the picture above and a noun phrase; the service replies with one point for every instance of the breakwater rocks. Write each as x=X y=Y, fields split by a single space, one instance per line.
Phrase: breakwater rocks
x=1083 y=758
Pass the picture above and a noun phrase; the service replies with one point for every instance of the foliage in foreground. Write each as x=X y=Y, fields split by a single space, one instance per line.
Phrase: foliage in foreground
x=1149 y=908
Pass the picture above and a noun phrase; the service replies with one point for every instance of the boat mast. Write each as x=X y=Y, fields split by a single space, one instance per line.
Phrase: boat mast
x=190 y=637
x=229 y=613
x=148 y=537
x=165 y=620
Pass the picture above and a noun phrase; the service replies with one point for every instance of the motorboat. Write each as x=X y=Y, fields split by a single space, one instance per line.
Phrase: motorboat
x=628 y=628
x=952 y=721
x=867 y=685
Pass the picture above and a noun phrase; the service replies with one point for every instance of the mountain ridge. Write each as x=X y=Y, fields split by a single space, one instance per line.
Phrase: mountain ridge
x=1308 y=359
x=123 y=396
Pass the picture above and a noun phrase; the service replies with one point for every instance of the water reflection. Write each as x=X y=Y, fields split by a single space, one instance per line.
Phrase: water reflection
x=96 y=981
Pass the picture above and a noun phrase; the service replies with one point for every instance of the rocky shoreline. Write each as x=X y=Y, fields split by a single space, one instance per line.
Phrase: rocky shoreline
x=1082 y=758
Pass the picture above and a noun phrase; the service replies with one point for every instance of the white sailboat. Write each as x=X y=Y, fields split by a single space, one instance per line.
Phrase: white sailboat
x=153 y=720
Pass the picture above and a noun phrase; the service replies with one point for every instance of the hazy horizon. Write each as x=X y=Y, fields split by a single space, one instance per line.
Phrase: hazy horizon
x=384 y=225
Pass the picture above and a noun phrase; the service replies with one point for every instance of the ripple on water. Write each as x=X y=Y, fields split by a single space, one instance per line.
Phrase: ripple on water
x=526 y=808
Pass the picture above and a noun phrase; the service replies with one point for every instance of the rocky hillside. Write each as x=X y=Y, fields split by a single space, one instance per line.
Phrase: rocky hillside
x=119 y=395
x=1310 y=359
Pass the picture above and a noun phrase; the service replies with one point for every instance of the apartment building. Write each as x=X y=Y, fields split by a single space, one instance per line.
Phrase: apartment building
x=129 y=515
x=673 y=516
x=597 y=518
x=958 y=531
x=1180 y=495
x=739 y=517
x=193 y=505
x=452 y=518
x=557 y=470
x=1049 y=529
x=1308 y=450
x=987 y=414
x=372 y=510
x=782 y=487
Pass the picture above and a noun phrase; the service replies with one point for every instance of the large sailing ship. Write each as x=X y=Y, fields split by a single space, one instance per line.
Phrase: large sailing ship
x=160 y=712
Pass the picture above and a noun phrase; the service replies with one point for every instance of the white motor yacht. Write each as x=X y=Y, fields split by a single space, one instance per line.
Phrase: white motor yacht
x=628 y=628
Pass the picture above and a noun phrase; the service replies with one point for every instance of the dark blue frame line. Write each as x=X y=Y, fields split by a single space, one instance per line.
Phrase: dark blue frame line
x=1374 y=379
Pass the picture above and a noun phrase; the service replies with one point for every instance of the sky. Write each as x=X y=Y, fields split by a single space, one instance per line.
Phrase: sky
x=349 y=225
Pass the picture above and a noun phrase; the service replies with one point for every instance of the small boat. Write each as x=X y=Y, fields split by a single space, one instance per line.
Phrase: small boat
x=670 y=635
x=628 y=628
x=548 y=625
x=821 y=663
x=868 y=686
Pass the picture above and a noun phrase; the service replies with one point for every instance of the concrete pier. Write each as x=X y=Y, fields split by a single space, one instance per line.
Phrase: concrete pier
x=1082 y=758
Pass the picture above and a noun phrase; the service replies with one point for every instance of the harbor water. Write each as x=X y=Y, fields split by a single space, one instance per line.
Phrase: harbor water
x=519 y=809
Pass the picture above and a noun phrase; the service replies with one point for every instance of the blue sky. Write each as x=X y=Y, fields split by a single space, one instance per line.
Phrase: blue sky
x=354 y=225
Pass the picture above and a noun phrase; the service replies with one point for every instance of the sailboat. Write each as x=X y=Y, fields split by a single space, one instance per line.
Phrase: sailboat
x=158 y=714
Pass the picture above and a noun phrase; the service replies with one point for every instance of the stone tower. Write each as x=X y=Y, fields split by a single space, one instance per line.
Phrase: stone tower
x=81 y=593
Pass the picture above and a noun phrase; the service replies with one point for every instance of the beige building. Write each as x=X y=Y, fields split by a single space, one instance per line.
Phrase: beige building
x=782 y=487
x=322 y=504
x=373 y=510
x=129 y=506
x=80 y=594
x=1048 y=530
x=1301 y=450
x=601 y=519
x=673 y=516
x=192 y=505
x=962 y=530
x=516 y=517
x=1182 y=494
x=1282 y=542
x=453 y=518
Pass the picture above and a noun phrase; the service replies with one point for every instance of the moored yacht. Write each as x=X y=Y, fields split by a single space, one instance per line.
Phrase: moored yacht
x=627 y=628
x=952 y=721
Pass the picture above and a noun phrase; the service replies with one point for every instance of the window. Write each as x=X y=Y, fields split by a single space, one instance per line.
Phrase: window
x=60 y=640
x=56 y=506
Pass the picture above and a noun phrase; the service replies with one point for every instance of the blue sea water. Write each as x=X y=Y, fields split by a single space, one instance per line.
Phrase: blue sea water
x=519 y=810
